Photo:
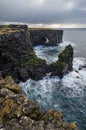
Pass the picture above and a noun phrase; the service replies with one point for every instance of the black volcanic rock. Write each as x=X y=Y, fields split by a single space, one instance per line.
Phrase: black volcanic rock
x=18 y=59
x=64 y=63
x=16 y=54
x=45 y=36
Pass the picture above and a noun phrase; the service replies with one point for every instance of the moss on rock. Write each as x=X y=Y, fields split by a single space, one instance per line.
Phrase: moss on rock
x=52 y=116
x=73 y=126
x=59 y=64
x=66 y=55
x=14 y=87
x=33 y=60
x=20 y=112
x=8 y=107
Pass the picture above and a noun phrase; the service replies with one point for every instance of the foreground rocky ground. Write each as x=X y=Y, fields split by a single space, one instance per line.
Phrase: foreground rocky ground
x=18 y=112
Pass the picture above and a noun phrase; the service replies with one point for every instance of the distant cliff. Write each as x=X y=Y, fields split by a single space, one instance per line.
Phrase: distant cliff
x=46 y=37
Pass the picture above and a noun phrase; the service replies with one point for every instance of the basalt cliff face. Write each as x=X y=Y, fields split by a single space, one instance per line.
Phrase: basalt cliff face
x=18 y=112
x=16 y=54
x=18 y=59
x=46 y=37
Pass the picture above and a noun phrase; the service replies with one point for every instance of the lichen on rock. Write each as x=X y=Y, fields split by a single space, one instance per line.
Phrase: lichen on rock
x=18 y=112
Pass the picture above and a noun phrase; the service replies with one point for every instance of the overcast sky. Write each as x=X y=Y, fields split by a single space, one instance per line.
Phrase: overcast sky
x=63 y=12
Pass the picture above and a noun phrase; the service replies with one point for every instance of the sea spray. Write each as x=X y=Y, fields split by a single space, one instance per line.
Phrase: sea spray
x=67 y=95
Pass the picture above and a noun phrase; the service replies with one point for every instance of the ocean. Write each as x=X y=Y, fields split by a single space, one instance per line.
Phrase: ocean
x=69 y=94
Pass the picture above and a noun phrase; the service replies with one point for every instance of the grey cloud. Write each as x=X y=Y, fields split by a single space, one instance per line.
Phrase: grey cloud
x=43 y=11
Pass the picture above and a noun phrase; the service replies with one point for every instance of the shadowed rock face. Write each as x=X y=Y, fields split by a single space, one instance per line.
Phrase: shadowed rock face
x=46 y=37
x=16 y=54
x=18 y=112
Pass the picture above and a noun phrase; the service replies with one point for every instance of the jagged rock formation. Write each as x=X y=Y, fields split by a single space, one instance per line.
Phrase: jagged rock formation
x=18 y=59
x=64 y=63
x=18 y=112
x=16 y=54
x=46 y=37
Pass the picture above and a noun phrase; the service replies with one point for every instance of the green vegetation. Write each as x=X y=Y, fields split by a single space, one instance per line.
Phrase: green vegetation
x=64 y=58
x=7 y=29
x=4 y=29
x=40 y=28
x=34 y=60
x=59 y=64
x=66 y=55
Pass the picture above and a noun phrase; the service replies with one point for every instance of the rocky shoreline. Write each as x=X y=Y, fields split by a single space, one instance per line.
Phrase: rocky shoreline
x=18 y=112
x=18 y=62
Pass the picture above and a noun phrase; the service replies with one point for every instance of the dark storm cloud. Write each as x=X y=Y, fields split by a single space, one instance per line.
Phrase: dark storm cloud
x=43 y=11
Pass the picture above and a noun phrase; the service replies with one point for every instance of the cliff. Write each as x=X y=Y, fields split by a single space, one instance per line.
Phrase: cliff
x=18 y=112
x=18 y=59
x=16 y=54
x=46 y=37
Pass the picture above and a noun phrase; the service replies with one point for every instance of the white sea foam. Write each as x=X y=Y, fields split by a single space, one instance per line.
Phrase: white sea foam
x=72 y=84
x=40 y=89
x=50 y=53
x=75 y=81
x=66 y=43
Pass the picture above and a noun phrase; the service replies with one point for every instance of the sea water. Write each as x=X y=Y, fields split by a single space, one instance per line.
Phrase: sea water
x=69 y=94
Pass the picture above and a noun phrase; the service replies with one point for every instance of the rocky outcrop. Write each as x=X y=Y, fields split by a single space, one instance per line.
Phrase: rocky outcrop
x=18 y=59
x=64 y=63
x=18 y=112
x=46 y=37
x=16 y=54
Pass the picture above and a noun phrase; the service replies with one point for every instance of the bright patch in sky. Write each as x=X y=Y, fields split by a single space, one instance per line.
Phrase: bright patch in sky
x=69 y=6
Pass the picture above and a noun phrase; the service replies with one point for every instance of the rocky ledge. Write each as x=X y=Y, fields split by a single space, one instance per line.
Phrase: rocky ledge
x=18 y=59
x=48 y=37
x=18 y=112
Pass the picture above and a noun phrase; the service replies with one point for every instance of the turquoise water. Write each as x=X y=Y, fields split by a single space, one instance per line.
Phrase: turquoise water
x=69 y=94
